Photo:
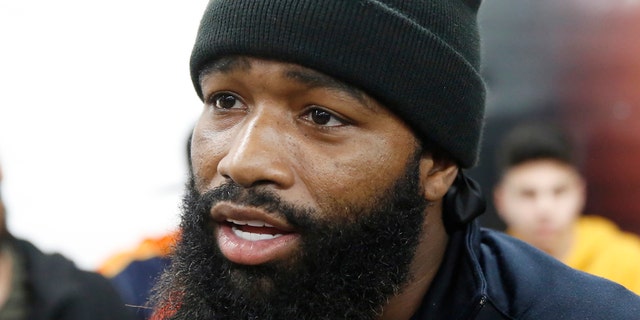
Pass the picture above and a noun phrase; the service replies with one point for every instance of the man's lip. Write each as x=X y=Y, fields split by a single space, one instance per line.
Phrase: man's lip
x=249 y=245
x=225 y=212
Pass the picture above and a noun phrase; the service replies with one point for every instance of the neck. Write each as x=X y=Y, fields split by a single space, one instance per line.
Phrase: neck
x=429 y=255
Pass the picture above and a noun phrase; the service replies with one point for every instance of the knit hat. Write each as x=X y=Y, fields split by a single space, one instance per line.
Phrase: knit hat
x=420 y=59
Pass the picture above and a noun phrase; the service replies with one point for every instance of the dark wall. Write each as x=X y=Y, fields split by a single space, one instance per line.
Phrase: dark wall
x=601 y=96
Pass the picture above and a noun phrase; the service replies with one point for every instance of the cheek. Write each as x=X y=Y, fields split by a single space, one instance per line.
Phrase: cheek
x=207 y=149
x=354 y=179
x=520 y=210
x=570 y=206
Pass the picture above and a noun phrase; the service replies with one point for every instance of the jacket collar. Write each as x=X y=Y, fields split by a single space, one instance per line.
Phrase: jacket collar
x=459 y=289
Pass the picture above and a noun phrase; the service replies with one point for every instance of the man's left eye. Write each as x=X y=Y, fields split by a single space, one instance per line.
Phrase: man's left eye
x=323 y=118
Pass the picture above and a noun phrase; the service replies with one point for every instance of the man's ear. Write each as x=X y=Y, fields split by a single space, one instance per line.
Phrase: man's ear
x=436 y=176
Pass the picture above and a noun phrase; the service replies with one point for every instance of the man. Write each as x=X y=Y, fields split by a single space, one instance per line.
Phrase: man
x=38 y=286
x=326 y=174
x=541 y=195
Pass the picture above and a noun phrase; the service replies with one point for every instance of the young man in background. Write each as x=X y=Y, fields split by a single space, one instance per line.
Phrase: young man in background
x=541 y=196
x=39 y=286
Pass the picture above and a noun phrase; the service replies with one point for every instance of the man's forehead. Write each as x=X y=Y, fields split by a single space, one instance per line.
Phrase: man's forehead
x=540 y=172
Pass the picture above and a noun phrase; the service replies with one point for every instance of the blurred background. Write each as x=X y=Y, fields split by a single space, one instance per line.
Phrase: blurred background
x=96 y=104
x=575 y=63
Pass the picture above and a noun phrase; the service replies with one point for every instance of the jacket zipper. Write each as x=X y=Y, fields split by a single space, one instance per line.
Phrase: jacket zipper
x=481 y=304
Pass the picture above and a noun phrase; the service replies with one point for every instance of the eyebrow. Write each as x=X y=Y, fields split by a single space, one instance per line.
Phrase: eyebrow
x=224 y=65
x=310 y=78
x=315 y=79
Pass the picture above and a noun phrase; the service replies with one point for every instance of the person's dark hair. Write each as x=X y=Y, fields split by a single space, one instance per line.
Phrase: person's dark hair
x=534 y=141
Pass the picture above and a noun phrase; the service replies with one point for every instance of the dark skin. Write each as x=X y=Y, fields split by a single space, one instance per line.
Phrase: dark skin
x=316 y=143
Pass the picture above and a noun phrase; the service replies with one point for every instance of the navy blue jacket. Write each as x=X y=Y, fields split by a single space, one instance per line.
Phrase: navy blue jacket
x=489 y=275
x=136 y=281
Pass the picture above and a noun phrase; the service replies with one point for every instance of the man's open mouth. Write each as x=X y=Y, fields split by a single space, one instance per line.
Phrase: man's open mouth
x=254 y=230
x=251 y=236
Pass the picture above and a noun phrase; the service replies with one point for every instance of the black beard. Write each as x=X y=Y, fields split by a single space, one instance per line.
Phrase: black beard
x=346 y=269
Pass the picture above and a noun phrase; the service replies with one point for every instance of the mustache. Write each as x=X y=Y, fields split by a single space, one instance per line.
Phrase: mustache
x=257 y=197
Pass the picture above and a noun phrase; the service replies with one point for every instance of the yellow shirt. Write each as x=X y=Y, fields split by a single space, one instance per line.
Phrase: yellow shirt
x=600 y=248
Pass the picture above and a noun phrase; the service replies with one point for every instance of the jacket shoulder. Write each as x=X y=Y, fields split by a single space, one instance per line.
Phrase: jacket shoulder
x=525 y=283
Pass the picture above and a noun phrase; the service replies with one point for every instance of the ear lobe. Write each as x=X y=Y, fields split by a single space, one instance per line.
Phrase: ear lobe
x=436 y=176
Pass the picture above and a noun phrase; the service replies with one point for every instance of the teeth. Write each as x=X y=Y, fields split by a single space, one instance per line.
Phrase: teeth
x=238 y=222
x=253 y=223
x=253 y=236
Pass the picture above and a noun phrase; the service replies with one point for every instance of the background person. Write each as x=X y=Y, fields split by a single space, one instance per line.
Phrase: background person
x=540 y=197
x=39 y=286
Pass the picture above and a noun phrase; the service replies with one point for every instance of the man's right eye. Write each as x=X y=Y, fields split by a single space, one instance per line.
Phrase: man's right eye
x=225 y=101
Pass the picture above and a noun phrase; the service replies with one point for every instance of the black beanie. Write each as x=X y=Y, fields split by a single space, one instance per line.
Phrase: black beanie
x=420 y=59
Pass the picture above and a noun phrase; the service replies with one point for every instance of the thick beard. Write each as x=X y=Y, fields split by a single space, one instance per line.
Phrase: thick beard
x=345 y=269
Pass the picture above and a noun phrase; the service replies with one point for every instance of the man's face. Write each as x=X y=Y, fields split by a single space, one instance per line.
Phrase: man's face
x=305 y=199
x=540 y=200
x=313 y=141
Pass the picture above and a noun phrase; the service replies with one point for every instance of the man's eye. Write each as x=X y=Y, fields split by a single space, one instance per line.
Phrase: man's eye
x=225 y=101
x=323 y=118
x=527 y=194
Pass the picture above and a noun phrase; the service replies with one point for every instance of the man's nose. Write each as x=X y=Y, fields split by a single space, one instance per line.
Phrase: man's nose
x=545 y=203
x=258 y=154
